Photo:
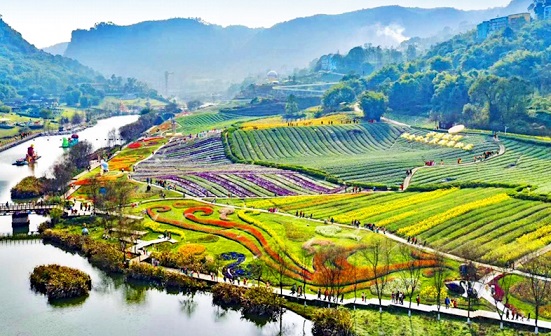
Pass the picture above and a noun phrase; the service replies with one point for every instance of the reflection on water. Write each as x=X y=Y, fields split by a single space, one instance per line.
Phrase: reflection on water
x=113 y=307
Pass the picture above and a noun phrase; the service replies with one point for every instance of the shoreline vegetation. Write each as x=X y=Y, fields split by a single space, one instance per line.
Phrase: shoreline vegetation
x=60 y=282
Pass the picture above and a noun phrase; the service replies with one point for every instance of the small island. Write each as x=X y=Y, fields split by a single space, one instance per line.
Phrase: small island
x=29 y=187
x=60 y=282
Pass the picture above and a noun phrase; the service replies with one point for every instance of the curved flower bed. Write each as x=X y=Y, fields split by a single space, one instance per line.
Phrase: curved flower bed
x=60 y=282
x=359 y=277
x=189 y=214
x=234 y=269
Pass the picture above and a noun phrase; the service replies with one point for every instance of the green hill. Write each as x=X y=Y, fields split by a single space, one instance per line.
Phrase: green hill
x=26 y=70
x=501 y=81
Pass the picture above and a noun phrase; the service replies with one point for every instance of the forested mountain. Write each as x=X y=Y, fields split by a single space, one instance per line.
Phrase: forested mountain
x=25 y=70
x=205 y=57
x=504 y=80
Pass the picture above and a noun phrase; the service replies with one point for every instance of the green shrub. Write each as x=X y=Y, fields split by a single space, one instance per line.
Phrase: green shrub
x=332 y=322
x=60 y=282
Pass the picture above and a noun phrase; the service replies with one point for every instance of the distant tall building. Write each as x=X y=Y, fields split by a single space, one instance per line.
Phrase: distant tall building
x=514 y=21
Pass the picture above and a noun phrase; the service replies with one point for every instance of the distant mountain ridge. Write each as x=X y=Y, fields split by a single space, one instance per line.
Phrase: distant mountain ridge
x=57 y=49
x=206 y=57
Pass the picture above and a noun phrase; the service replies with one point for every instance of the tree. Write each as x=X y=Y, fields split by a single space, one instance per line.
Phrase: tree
x=281 y=268
x=440 y=64
x=411 y=275
x=257 y=269
x=377 y=256
x=373 y=104
x=79 y=154
x=112 y=136
x=291 y=107
x=55 y=215
x=500 y=294
x=194 y=104
x=336 y=95
x=438 y=279
x=46 y=114
x=76 y=118
x=451 y=94
x=331 y=268
x=539 y=286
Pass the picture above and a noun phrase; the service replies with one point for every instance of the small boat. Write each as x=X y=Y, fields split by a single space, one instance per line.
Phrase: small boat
x=24 y=162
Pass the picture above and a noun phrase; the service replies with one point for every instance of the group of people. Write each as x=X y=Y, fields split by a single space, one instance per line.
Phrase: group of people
x=398 y=298
x=515 y=315
x=484 y=156
x=298 y=290
x=414 y=241
x=450 y=303
x=330 y=296
x=273 y=210
x=301 y=214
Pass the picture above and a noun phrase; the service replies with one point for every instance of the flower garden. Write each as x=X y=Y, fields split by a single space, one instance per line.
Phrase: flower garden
x=300 y=245
x=198 y=167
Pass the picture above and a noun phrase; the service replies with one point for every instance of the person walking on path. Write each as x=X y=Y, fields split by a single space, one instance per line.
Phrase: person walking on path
x=319 y=293
x=418 y=300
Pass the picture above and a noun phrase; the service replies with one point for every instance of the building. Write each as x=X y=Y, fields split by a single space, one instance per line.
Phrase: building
x=514 y=21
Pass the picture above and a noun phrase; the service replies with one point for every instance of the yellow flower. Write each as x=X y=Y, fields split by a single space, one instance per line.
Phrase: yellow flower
x=438 y=219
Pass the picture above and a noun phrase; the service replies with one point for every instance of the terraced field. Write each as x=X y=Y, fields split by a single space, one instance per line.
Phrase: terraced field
x=523 y=163
x=199 y=168
x=485 y=223
x=353 y=152
x=205 y=121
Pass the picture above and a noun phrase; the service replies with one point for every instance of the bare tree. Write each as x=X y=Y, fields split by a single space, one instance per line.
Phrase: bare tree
x=257 y=268
x=112 y=136
x=411 y=275
x=377 y=256
x=332 y=270
x=469 y=274
x=281 y=267
x=539 y=285
x=500 y=293
x=438 y=279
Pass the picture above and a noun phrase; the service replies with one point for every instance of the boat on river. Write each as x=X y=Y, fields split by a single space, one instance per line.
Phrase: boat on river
x=30 y=158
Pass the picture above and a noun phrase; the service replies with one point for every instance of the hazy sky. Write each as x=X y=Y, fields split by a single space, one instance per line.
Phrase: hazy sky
x=46 y=22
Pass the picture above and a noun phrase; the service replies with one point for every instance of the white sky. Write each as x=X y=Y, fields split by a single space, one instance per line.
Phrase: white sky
x=47 y=22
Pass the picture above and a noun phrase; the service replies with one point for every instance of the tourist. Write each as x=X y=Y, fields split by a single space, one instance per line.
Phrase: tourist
x=393 y=297
x=319 y=293
x=325 y=295
x=447 y=302
x=363 y=297
x=507 y=314
x=418 y=300
x=342 y=297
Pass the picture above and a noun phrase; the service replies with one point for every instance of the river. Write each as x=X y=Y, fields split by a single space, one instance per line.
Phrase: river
x=49 y=147
x=113 y=307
